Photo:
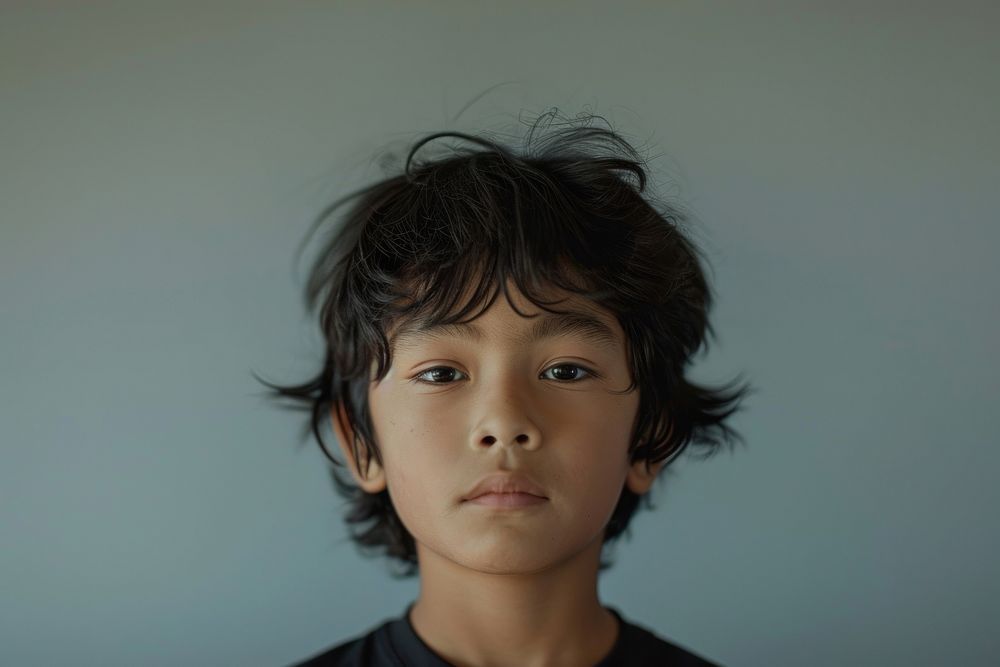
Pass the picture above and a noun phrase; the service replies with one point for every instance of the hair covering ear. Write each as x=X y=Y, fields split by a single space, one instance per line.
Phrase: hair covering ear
x=642 y=474
x=368 y=473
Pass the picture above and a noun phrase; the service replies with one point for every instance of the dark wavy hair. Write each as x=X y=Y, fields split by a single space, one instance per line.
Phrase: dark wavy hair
x=566 y=210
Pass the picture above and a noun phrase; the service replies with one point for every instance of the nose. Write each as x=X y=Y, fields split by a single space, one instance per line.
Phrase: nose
x=521 y=439
x=505 y=417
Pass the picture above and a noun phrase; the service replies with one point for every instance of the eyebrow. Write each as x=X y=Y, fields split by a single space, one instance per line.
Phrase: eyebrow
x=548 y=325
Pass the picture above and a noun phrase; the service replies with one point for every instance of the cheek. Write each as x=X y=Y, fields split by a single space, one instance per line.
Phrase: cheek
x=415 y=440
x=416 y=484
x=593 y=451
x=596 y=416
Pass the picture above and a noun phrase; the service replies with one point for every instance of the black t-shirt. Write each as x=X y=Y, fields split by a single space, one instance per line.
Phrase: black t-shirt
x=396 y=644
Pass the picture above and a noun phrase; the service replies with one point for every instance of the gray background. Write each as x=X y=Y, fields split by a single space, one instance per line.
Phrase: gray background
x=161 y=163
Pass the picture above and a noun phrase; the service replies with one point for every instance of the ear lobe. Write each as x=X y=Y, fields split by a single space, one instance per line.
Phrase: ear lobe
x=640 y=479
x=375 y=481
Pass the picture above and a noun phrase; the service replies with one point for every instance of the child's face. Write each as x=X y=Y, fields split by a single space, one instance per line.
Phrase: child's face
x=502 y=404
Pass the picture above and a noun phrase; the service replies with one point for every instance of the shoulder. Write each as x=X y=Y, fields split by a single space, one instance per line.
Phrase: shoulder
x=640 y=646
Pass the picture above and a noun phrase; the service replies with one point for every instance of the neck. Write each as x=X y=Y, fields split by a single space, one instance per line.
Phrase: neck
x=548 y=617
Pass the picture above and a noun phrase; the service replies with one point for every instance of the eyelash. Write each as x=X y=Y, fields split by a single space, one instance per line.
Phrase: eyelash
x=590 y=374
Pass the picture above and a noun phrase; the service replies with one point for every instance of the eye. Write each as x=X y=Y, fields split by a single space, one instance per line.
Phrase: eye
x=446 y=374
x=562 y=376
x=438 y=372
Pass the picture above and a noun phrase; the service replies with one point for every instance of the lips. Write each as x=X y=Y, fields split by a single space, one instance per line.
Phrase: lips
x=505 y=483
x=507 y=500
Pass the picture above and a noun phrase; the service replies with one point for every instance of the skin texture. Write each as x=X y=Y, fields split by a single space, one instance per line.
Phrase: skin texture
x=501 y=588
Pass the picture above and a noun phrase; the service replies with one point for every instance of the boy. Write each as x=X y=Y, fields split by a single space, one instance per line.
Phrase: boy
x=507 y=334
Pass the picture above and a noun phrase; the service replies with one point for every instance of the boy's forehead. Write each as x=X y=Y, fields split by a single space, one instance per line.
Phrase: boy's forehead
x=577 y=317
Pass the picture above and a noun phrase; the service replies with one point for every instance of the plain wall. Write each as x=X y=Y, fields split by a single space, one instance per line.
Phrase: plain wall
x=161 y=162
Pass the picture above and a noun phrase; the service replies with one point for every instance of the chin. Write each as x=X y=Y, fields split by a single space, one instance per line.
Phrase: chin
x=506 y=559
